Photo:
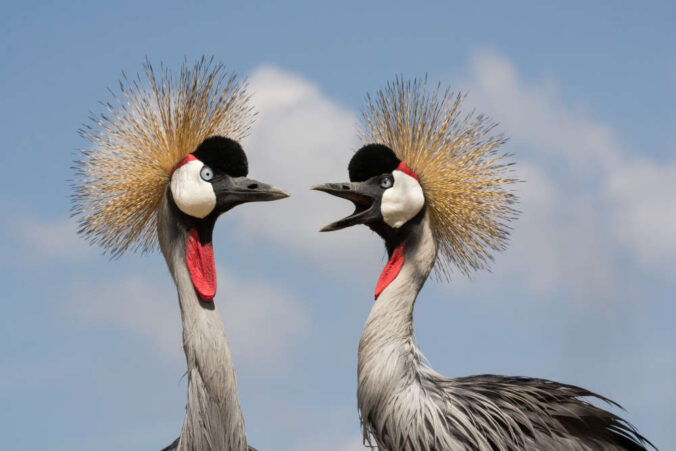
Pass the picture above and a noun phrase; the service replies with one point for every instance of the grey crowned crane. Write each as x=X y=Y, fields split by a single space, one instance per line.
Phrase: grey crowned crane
x=165 y=163
x=433 y=185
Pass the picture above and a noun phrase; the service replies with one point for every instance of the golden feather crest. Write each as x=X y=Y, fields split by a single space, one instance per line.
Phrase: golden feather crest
x=151 y=126
x=463 y=176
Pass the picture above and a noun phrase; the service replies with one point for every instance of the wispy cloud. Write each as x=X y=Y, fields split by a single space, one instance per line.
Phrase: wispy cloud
x=585 y=198
x=134 y=305
x=643 y=195
x=262 y=322
x=535 y=114
x=301 y=138
x=40 y=239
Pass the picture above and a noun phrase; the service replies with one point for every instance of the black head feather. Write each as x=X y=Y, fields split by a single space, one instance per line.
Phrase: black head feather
x=372 y=160
x=223 y=154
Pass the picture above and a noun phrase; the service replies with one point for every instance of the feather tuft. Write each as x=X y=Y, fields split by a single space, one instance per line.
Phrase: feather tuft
x=151 y=125
x=463 y=175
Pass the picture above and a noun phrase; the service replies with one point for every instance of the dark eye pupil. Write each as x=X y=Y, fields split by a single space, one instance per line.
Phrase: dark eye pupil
x=206 y=173
x=386 y=182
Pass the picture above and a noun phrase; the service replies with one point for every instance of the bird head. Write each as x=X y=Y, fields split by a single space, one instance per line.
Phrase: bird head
x=166 y=137
x=425 y=160
x=213 y=179
x=168 y=141
x=206 y=183
x=385 y=192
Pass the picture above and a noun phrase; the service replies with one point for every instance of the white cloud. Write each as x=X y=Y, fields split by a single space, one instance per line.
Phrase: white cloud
x=644 y=211
x=302 y=138
x=133 y=305
x=262 y=322
x=558 y=240
x=534 y=114
x=44 y=239
x=584 y=198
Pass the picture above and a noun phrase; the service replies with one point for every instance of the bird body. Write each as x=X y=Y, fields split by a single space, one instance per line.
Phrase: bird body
x=208 y=182
x=406 y=405
x=430 y=183
x=165 y=165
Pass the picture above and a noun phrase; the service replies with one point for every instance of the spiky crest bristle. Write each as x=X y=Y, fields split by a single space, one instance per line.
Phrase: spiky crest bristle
x=464 y=177
x=152 y=125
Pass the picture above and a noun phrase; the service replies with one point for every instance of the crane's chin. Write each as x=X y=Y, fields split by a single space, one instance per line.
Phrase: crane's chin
x=358 y=217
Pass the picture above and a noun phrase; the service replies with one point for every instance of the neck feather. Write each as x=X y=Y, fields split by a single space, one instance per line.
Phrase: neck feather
x=213 y=416
x=395 y=302
x=387 y=351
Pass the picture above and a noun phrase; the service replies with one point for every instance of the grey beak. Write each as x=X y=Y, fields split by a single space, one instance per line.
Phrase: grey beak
x=249 y=190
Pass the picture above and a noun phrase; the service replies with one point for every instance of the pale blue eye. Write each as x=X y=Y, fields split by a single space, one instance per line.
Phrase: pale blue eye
x=206 y=173
x=386 y=182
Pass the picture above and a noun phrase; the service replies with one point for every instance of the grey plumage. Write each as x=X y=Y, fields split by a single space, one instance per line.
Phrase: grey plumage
x=213 y=419
x=153 y=130
x=405 y=405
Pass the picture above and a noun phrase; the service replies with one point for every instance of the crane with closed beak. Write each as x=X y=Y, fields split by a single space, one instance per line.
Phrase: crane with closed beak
x=164 y=164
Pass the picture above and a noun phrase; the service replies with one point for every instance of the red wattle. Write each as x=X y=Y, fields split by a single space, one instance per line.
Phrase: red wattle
x=188 y=158
x=391 y=269
x=201 y=266
x=403 y=167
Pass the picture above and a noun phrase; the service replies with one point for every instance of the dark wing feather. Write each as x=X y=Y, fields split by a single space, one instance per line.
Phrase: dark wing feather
x=546 y=413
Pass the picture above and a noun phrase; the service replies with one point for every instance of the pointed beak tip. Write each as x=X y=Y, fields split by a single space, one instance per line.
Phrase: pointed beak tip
x=276 y=193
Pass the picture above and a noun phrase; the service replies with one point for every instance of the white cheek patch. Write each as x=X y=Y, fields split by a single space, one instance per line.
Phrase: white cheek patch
x=402 y=201
x=193 y=196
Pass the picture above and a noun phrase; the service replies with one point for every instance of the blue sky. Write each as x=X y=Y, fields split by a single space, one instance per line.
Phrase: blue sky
x=583 y=295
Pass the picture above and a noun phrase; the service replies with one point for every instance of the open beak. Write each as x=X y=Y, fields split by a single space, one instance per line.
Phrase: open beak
x=362 y=195
x=244 y=189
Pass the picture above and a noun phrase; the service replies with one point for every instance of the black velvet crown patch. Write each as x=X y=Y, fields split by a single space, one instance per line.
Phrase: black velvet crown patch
x=224 y=155
x=372 y=160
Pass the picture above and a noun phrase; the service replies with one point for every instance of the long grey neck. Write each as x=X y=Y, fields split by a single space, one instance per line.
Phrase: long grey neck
x=388 y=355
x=213 y=419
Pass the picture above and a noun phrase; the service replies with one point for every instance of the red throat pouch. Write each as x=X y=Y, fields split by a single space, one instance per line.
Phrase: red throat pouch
x=201 y=265
x=391 y=269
